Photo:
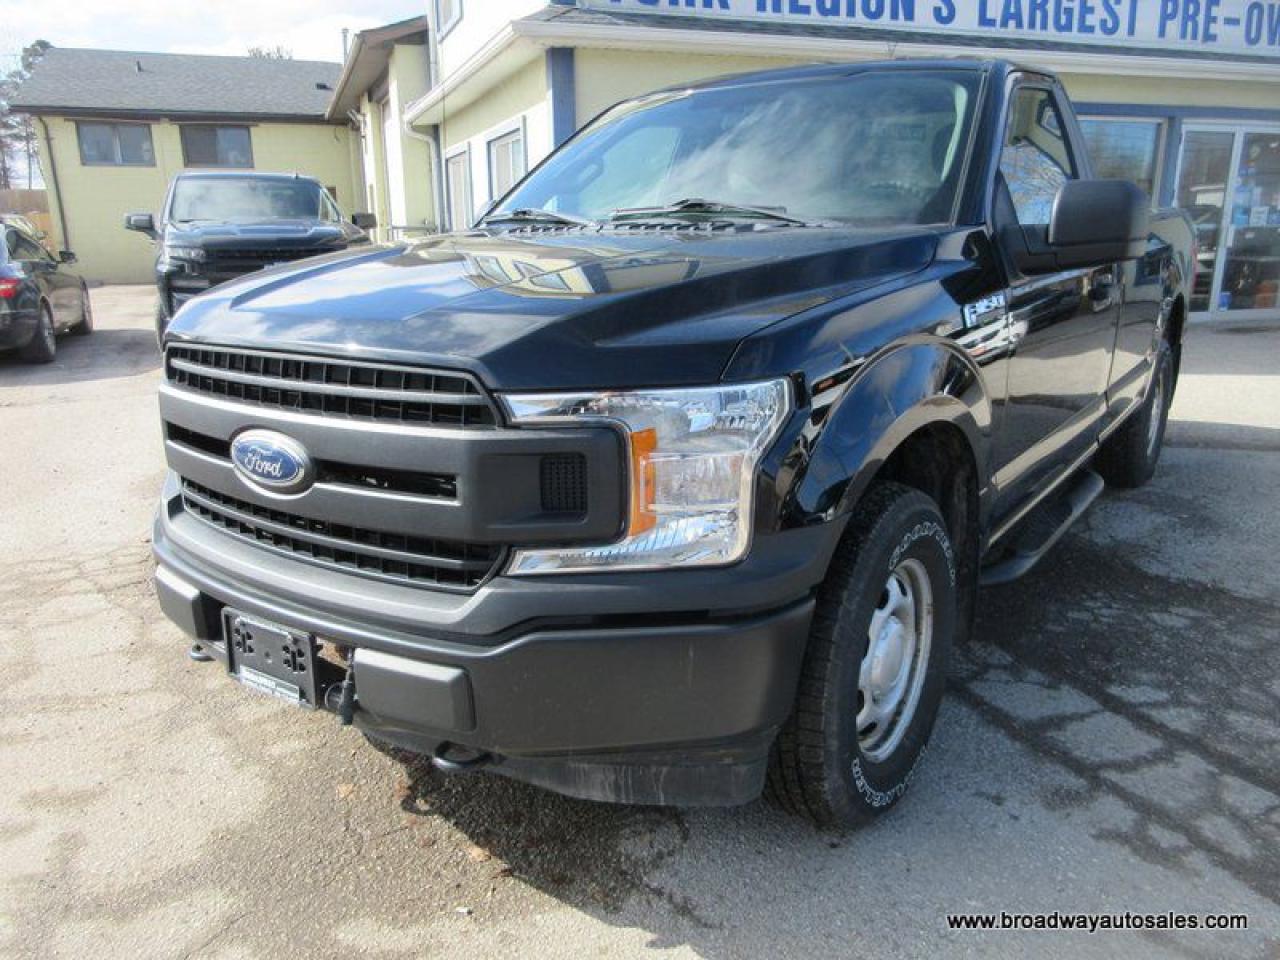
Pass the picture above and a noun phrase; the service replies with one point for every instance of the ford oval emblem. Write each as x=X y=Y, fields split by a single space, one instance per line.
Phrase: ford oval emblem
x=272 y=461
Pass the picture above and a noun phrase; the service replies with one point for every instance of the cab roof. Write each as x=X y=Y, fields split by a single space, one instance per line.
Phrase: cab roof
x=241 y=175
x=993 y=67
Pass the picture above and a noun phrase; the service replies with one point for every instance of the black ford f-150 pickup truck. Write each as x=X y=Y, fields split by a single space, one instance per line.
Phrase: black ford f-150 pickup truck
x=676 y=478
x=217 y=225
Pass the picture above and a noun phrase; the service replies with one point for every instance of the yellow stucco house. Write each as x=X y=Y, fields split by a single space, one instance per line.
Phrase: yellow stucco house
x=386 y=69
x=114 y=128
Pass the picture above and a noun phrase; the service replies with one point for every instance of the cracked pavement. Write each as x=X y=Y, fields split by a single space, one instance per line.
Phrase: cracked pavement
x=1110 y=742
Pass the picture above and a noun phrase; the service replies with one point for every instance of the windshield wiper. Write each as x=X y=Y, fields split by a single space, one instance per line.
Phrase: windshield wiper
x=532 y=215
x=696 y=206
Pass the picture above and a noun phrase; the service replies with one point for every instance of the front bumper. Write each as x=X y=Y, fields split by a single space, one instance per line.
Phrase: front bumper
x=611 y=687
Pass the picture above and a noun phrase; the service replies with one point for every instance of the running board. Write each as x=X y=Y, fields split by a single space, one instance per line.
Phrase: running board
x=1044 y=527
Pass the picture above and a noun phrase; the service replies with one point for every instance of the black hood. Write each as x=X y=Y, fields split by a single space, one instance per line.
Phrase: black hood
x=556 y=310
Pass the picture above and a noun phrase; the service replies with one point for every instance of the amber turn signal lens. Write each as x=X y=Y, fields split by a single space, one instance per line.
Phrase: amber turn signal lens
x=642 y=518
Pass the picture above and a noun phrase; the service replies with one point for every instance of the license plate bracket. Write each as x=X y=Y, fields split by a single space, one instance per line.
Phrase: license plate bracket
x=271 y=658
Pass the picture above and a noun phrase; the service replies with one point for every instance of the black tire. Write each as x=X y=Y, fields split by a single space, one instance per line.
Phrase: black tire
x=820 y=767
x=43 y=345
x=1129 y=456
x=162 y=323
x=85 y=326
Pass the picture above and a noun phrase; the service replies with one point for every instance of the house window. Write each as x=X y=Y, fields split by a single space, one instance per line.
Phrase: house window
x=205 y=145
x=448 y=12
x=1125 y=149
x=506 y=162
x=116 y=144
x=458 y=172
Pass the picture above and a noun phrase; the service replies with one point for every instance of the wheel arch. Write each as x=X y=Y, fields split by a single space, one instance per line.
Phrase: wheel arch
x=924 y=384
x=917 y=414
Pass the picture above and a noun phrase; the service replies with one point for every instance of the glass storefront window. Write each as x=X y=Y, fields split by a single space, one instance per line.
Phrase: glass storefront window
x=1202 y=191
x=1124 y=149
x=1229 y=183
x=1251 y=274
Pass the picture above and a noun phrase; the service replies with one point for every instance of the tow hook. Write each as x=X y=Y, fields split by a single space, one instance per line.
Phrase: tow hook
x=464 y=760
x=341 y=698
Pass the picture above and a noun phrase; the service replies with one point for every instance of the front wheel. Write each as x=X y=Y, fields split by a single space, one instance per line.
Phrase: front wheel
x=875 y=665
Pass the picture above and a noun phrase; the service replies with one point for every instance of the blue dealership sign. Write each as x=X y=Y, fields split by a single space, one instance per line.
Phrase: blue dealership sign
x=1175 y=26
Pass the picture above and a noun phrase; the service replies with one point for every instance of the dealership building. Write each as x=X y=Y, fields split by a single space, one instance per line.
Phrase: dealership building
x=1182 y=96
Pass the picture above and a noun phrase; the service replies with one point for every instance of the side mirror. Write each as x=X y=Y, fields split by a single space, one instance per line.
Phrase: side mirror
x=1096 y=222
x=141 y=222
x=365 y=221
x=66 y=256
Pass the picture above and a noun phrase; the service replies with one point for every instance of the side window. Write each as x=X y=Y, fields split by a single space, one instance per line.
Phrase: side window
x=22 y=248
x=1035 y=159
x=329 y=212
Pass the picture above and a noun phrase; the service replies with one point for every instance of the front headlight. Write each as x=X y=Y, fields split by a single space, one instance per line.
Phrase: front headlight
x=184 y=253
x=692 y=457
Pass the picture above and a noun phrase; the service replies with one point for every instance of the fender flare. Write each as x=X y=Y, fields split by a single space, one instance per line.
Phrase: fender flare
x=909 y=385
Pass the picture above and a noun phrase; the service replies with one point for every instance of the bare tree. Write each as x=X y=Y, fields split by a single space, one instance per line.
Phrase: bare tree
x=17 y=133
x=271 y=53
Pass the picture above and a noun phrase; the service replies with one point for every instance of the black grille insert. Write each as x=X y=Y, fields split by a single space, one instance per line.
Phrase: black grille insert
x=564 y=483
x=244 y=259
x=331 y=387
x=445 y=564
x=437 y=486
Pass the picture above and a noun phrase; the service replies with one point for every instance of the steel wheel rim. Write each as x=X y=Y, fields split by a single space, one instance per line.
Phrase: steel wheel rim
x=892 y=673
x=1157 y=413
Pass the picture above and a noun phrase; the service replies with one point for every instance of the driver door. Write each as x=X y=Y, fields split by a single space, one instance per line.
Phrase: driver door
x=1063 y=325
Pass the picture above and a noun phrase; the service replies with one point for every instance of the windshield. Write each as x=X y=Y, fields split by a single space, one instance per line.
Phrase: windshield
x=870 y=148
x=247 y=198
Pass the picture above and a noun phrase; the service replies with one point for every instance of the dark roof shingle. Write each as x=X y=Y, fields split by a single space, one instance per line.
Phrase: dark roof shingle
x=121 y=82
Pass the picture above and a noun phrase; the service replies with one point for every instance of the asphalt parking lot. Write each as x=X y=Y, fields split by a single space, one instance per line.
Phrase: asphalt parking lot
x=1111 y=742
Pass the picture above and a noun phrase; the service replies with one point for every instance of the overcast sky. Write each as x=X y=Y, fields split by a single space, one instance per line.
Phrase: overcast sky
x=312 y=29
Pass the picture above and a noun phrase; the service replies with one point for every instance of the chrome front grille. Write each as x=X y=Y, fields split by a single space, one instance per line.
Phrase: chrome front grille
x=443 y=564
x=334 y=388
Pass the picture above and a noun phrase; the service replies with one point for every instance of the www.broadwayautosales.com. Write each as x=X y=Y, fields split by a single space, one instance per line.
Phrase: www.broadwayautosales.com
x=1097 y=922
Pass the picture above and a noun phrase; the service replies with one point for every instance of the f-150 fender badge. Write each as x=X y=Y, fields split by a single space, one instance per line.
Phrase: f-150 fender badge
x=984 y=311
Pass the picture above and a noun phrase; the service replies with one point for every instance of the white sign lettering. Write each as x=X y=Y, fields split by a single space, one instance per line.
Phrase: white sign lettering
x=1183 y=26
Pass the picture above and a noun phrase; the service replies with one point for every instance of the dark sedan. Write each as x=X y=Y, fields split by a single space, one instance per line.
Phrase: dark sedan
x=39 y=297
